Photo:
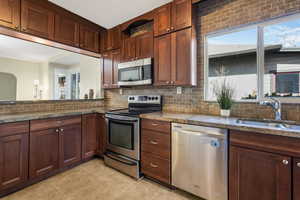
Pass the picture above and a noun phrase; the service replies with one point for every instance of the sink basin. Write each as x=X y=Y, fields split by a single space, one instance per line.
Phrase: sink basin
x=265 y=123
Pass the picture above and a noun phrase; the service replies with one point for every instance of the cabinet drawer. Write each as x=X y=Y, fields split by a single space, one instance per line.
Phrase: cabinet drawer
x=14 y=128
x=53 y=123
x=156 y=143
x=161 y=126
x=156 y=168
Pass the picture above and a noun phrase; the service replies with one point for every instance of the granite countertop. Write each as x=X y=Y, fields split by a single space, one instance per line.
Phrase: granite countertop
x=219 y=122
x=8 y=118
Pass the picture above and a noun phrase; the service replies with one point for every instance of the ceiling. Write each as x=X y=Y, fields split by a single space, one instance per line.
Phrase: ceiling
x=109 y=13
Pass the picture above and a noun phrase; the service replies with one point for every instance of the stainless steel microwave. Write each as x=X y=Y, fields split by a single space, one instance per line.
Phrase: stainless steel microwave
x=137 y=72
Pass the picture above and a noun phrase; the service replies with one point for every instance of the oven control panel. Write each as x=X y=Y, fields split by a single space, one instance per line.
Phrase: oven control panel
x=151 y=99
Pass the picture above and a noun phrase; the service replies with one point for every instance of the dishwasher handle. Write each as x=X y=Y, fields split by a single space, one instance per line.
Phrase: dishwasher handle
x=202 y=133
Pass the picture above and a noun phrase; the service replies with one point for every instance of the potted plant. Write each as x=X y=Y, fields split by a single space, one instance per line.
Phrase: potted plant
x=224 y=94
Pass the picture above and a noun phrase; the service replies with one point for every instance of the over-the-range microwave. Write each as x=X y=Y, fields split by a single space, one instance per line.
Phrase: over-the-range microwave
x=137 y=72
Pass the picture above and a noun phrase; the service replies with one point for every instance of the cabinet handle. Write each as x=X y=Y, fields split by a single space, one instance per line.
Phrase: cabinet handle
x=153 y=165
x=298 y=164
x=285 y=162
x=153 y=142
x=154 y=124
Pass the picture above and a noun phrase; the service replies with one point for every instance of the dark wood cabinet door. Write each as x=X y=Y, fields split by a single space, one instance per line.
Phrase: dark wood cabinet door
x=162 y=19
x=181 y=56
x=10 y=13
x=66 y=29
x=114 y=38
x=181 y=14
x=107 y=71
x=37 y=19
x=144 y=46
x=102 y=135
x=13 y=160
x=116 y=57
x=43 y=152
x=89 y=38
x=69 y=145
x=259 y=175
x=129 y=49
x=89 y=135
x=296 y=179
x=162 y=60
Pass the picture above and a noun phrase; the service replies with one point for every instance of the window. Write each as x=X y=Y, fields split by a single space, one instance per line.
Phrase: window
x=257 y=61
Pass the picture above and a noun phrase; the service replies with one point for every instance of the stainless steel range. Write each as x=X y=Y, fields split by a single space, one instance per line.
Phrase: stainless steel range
x=123 y=133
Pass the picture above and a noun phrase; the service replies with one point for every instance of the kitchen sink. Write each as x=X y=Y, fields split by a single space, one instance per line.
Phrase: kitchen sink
x=269 y=123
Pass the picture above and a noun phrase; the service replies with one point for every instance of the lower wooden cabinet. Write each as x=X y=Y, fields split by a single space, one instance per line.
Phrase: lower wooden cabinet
x=14 y=151
x=296 y=179
x=44 y=152
x=90 y=132
x=69 y=145
x=101 y=123
x=259 y=175
x=156 y=150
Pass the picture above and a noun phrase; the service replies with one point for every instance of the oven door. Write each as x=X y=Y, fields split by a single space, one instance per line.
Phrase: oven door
x=123 y=135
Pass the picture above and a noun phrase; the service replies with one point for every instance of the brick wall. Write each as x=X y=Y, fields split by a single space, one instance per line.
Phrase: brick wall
x=214 y=15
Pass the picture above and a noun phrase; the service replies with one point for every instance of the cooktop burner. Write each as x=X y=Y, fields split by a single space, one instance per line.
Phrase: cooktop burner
x=140 y=105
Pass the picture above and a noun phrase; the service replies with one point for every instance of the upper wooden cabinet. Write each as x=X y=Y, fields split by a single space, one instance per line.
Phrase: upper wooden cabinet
x=14 y=152
x=175 y=59
x=172 y=17
x=114 y=38
x=89 y=38
x=138 y=47
x=66 y=29
x=10 y=13
x=111 y=60
x=37 y=19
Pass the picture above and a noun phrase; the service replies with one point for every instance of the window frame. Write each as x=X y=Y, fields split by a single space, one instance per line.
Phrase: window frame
x=260 y=56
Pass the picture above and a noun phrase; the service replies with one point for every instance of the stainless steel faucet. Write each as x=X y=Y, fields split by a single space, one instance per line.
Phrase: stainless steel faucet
x=276 y=105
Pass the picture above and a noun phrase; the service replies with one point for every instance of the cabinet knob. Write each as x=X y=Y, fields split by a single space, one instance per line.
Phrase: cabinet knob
x=153 y=165
x=168 y=82
x=56 y=130
x=172 y=28
x=24 y=29
x=298 y=164
x=62 y=130
x=285 y=162
x=168 y=29
x=17 y=27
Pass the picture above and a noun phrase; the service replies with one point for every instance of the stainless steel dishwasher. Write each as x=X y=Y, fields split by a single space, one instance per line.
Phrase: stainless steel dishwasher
x=199 y=160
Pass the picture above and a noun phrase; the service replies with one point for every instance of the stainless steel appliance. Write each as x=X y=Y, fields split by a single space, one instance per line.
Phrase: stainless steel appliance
x=137 y=72
x=199 y=160
x=123 y=133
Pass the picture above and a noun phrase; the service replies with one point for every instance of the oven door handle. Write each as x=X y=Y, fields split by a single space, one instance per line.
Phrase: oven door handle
x=123 y=120
x=120 y=160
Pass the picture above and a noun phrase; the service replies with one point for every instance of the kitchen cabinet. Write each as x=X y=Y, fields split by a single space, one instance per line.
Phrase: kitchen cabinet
x=138 y=47
x=172 y=17
x=263 y=175
x=66 y=29
x=129 y=49
x=89 y=38
x=263 y=166
x=111 y=60
x=101 y=123
x=175 y=59
x=296 y=179
x=113 y=38
x=70 y=145
x=156 y=150
x=14 y=138
x=90 y=134
x=37 y=18
x=54 y=144
x=44 y=152
x=10 y=13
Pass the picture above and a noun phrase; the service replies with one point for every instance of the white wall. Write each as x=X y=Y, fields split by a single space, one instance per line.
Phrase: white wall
x=25 y=72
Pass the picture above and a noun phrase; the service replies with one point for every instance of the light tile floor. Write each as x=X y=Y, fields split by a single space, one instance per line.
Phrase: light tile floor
x=94 y=181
